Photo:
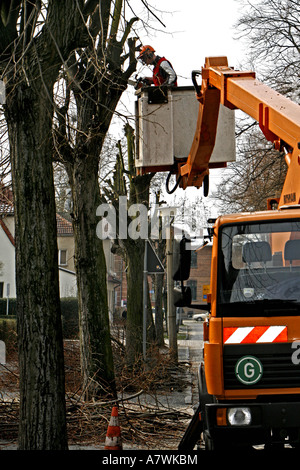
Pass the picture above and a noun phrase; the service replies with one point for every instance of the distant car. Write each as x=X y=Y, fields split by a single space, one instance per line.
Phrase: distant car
x=200 y=316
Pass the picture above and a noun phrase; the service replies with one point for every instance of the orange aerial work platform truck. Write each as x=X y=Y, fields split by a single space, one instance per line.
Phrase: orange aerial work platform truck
x=249 y=381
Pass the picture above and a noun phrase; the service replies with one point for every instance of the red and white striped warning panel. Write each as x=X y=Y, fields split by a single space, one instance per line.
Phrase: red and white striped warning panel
x=255 y=334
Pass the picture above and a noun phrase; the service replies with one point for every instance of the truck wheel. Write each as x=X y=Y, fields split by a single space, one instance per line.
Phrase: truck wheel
x=208 y=442
x=204 y=399
x=211 y=444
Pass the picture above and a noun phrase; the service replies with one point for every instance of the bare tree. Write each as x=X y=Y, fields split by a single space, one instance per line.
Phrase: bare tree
x=257 y=175
x=96 y=77
x=136 y=190
x=36 y=40
x=271 y=29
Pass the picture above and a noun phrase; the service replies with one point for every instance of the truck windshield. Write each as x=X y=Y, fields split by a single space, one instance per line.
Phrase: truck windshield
x=259 y=269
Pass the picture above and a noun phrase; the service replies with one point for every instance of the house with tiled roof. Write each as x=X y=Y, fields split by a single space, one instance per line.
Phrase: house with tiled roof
x=7 y=250
x=65 y=244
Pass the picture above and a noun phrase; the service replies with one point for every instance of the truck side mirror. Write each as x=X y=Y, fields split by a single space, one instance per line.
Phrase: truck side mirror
x=181 y=271
x=181 y=259
x=182 y=296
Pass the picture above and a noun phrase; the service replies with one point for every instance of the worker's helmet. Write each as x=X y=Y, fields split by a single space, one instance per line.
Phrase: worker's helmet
x=145 y=50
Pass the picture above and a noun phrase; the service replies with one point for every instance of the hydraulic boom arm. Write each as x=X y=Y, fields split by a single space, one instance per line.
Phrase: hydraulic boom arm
x=278 y=118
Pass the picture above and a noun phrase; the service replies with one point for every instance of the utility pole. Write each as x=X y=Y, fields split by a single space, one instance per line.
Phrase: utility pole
x=168 y=214
x=152 y=265
x=145 y=297
x=170 y=299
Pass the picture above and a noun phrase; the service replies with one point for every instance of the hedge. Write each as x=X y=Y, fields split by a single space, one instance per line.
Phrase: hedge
x=69 y=311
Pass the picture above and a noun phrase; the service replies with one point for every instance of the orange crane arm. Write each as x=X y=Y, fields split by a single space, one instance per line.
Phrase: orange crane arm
x=278 y=118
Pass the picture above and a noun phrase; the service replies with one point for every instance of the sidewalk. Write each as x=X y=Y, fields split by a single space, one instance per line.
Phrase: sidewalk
x=183 y=346
x=174 y=399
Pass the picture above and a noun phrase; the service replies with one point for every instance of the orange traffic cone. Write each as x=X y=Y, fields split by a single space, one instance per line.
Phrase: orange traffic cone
x=113 y=435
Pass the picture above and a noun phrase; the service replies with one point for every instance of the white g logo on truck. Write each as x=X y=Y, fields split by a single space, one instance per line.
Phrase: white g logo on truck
x=248 y=370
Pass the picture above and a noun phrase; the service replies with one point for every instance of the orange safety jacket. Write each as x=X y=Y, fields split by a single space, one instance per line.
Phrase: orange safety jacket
x=159 y=77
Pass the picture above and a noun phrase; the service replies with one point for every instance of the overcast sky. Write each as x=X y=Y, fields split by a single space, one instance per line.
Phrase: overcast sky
x=198 y=29
x=193 y=30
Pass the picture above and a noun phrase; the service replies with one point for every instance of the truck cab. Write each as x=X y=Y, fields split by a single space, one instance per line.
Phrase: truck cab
x=249 y=382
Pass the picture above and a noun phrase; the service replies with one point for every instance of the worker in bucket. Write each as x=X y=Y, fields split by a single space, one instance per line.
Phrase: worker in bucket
x=163 y=72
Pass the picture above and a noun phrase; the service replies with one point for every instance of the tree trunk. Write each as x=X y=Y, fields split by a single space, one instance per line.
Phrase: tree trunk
x=134 y=323
x=95 y=342
x=134 y=249
x=42 y=393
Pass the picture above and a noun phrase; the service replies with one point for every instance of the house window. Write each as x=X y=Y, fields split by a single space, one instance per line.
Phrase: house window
x=62 y=257
x=193 y=259
x=193 y=285
x=1 y=289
